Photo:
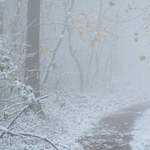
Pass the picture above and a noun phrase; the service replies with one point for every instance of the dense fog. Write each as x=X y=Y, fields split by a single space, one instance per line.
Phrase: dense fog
x=74 y=74
x=86 y=45
x=108 y=40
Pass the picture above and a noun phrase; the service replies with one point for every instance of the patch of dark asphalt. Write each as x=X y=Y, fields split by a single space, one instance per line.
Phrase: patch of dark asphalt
x=113 y=132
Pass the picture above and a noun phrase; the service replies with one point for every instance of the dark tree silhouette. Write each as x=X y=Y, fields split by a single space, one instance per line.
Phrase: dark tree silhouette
x=32 y=72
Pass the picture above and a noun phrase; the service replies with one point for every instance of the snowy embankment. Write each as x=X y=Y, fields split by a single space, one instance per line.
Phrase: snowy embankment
x=75 y=114
x=141 y=133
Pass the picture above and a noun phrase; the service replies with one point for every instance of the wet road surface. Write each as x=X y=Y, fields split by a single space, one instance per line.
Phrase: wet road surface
x=113 y=132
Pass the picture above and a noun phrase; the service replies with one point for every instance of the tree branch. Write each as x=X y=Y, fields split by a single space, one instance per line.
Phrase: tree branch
x=14 y=120
x=5 y=130
x=57 y=45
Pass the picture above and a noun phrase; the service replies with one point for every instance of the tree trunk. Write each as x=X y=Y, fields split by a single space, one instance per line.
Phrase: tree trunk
x=32 y=72
x=1 y=17
x=57 y=45
x=14 y=25
x=97 y=57
x=76 y=60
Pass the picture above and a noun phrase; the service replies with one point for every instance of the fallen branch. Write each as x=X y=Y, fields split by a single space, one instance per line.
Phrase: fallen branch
x=5 y=130
x=20 y=114
x=14 y=119
x=43 y=97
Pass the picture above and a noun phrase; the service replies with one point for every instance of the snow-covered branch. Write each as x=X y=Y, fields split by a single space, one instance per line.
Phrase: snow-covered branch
x=8 y=72
x=14 y=119
x=5 y=130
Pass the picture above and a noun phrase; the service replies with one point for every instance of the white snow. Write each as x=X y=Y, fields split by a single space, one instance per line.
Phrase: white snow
x=78 y=114
x=141 y=133
x=70 y=116
x=62 y=36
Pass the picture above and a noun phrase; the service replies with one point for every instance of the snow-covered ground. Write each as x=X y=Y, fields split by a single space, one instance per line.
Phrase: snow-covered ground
x=70 y=115
x=141 y=133
x=78 y=113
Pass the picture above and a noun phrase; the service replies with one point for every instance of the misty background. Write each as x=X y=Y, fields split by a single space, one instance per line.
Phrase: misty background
x=106 y=39
x=65 y=65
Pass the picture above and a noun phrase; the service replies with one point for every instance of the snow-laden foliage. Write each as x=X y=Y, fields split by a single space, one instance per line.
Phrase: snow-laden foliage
x=8 y=73
x=15 y=98
x=8 y=70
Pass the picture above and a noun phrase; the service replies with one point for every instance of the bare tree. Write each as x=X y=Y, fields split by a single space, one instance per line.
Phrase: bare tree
x=32 y=72
x=57 y=45
x=32 y=54
x=80 y=70
x=1 y=17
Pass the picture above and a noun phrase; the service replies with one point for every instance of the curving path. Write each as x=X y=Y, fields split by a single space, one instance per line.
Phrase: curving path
x=113 y=132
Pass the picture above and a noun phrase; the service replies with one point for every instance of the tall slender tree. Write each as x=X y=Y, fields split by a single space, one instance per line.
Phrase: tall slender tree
x=1 y=17
x=15 y=20
x=58 y=44
x=32 y=72
x=32 y=75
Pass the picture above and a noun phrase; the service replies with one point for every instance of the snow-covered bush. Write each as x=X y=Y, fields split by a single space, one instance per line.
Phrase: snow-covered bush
x=15 y=98
x=9 y=76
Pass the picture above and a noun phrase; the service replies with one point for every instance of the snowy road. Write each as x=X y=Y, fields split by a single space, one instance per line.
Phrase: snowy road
x=114 y=132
